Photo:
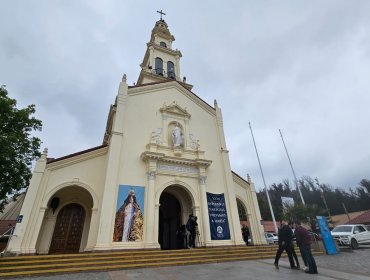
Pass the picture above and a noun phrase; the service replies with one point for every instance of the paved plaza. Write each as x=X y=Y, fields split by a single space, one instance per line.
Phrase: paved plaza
x=347 y=265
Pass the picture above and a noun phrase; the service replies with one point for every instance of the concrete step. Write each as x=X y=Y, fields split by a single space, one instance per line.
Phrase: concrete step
x=57 y=264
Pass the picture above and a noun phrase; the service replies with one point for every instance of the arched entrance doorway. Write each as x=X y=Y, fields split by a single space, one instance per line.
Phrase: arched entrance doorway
x=68 y=230
x=169 y=222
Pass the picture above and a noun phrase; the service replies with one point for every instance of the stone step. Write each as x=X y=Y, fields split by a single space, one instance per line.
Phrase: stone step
x=68 y=263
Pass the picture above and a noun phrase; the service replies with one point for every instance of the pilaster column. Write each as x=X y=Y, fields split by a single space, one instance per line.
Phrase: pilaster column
x=91 y=241
x=204 y=209
x=150 y=210
x=156 y=222
x=32 y=246
x=109 y=198
x=256 y=228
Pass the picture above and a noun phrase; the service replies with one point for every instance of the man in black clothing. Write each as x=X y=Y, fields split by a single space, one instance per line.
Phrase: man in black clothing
x=191 y=226
x=245 y=234
x=285 y=236
x=290 y=224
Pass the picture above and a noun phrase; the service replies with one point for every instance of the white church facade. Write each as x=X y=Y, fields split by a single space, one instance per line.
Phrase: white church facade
x=163 y=157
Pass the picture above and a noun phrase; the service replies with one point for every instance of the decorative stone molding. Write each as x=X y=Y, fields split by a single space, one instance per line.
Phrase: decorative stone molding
x=174 y=109
x=151 y=175
x=202 y=180
x=193 y=143
x=156 y=136
x=147 y=155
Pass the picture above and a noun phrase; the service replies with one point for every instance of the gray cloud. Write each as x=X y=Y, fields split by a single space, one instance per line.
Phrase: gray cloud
x=298 y=66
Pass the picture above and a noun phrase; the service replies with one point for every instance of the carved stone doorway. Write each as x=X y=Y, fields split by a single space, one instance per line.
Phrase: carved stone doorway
x=68 y=230
x=170 y=236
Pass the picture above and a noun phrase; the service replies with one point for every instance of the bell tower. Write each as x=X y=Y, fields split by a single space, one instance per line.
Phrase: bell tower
x=161 y=62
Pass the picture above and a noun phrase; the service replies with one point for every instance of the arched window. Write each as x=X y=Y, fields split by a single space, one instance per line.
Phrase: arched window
x=163 y=44
x=170 y=70
x=241 y=211
x=159 y=66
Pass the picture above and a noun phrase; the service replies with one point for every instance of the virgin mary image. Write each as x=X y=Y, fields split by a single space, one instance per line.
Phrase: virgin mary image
x=129 y=221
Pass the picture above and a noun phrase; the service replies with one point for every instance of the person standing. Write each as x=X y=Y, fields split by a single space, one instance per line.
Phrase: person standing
x=285 y=236
x=291 y=225
x=191 y=226
x=245 y=234
x=304 y=243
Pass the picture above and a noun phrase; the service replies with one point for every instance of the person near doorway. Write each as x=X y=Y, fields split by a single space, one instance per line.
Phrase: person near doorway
x=191 y=226
x=285 y=235
x=304 y=243
x=245 y=234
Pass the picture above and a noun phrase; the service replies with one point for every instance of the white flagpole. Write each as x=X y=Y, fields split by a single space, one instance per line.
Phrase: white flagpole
x=263 y=177
x=291 y=165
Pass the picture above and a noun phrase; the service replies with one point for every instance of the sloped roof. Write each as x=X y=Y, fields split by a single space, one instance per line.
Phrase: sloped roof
x=364 y=218
x=343 y=218
x=51 y=160
x=13 y=208
x=6 y=225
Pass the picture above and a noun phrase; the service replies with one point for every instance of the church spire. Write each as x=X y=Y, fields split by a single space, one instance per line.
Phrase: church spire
x=160 y=62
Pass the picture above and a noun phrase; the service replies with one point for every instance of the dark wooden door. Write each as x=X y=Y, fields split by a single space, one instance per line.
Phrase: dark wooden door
x=68 y=230
x=169 y=222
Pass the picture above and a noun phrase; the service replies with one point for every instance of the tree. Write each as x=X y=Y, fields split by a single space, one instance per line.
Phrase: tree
x=18 y=147
x=305 y=213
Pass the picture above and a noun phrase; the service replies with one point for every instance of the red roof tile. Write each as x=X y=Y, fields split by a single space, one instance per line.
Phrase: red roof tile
x=361 y=219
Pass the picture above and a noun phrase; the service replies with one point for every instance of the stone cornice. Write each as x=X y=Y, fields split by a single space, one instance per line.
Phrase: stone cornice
x=161 y=157
x=165 y=50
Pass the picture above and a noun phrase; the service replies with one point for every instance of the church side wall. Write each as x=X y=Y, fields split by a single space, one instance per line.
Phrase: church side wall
x=245 y=193
x=85 y=171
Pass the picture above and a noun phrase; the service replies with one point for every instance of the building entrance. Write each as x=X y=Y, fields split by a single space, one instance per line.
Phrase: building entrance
x=170 y=235
x=68 y=230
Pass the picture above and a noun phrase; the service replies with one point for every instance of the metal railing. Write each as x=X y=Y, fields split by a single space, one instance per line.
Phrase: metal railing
x=8 y=233
x=163 y=73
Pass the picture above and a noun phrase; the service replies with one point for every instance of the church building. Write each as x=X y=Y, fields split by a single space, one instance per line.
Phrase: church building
x=163 y=159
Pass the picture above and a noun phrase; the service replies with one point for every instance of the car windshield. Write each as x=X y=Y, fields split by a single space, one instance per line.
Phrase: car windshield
x=342 y=229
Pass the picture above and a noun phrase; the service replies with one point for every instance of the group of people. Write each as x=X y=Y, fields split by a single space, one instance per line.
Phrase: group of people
x=303 y=240
x=185 y=240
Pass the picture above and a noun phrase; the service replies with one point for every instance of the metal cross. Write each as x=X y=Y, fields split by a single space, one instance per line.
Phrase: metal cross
x=162 y=13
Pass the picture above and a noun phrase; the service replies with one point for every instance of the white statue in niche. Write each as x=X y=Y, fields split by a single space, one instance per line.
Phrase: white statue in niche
x=177 y=136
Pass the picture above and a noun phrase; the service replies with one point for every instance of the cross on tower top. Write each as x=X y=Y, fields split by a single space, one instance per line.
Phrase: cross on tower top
x=162 y=13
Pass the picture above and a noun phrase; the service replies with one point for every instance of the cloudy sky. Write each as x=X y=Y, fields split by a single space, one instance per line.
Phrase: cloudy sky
x=299 y=66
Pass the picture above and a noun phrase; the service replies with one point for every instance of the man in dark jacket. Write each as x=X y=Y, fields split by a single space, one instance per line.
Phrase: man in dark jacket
x=191 y=226
x=285 y=236
x=304 y=243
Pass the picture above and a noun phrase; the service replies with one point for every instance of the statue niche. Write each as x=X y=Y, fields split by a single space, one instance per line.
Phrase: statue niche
x=176 y=135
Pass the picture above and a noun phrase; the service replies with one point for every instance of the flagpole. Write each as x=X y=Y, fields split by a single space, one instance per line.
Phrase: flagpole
x=291 y=165
x=263 y=177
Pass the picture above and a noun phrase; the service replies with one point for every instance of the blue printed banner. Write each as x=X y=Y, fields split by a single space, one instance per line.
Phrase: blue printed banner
x=327 y=238
x=218 y=222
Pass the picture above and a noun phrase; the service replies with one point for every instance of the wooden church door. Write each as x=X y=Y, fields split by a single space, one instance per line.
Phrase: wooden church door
x=68 y=230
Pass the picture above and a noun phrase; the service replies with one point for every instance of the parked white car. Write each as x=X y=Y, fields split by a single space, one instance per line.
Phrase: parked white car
x=351 y=235
x=271 y=238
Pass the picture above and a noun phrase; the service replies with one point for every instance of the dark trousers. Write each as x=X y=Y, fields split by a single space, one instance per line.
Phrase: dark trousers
x=303 y=258
x=307 y=255
x=295 y=256
x=192 y=239
x=287 y=247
